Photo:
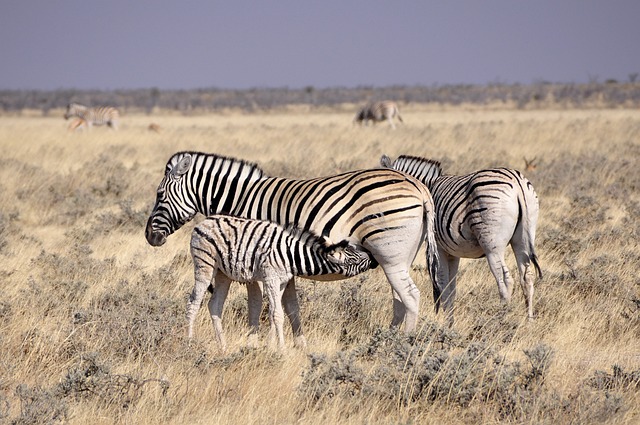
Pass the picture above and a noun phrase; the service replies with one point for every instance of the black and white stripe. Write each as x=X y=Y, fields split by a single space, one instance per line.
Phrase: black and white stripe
x=226 y=247
x=377 y=112
x=103 y=115
x=478 y=215
x=386 y=212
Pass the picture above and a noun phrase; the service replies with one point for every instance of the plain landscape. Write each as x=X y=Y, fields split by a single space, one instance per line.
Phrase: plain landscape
x=92 y=318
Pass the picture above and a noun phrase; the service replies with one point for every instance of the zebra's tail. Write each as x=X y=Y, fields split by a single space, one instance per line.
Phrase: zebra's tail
x=433 y=259
x=398 y=115
x=529 y=220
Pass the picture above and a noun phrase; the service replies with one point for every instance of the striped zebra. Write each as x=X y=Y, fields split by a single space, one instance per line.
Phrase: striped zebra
x=228 y=248
x=384 y=212
x=478 y=215
x=377 y=112
x=94 y=116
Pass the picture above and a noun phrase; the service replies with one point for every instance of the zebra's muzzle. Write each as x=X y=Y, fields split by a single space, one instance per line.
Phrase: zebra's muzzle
x=154 y=238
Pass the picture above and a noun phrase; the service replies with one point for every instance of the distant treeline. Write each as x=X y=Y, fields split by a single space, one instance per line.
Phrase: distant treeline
x=608 y=94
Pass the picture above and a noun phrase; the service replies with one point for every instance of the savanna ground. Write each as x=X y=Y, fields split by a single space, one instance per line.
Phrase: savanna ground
x=92 y=326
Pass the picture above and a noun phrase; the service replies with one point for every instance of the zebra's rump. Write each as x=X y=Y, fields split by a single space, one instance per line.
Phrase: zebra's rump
x=475 y=208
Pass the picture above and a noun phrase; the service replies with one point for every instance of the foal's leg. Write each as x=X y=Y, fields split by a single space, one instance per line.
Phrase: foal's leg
x=292 y=310
x=203 y=273
x=274 y=289
x=254 y=305
x=216 y=304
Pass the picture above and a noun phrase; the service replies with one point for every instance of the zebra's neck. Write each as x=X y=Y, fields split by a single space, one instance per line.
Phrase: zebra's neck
x=426 y=170
x=221 y=183
x=310 y=254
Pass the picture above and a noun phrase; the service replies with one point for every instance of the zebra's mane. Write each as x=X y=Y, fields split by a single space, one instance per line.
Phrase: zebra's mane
x=410 y=164
x=178 y=155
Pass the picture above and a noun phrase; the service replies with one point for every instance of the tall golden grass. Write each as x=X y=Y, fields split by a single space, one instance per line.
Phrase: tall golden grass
x=92 y=326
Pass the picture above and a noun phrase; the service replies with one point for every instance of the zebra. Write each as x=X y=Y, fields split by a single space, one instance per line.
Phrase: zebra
x=228 y=248
x=478 y=215
x=94 y=116
x=386 y=212
x=378 y=112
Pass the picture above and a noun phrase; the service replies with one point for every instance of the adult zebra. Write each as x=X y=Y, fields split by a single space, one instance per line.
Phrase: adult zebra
x=386 y=212
x=378 y=112
x=103 y=115
x=225 y=248
x=478 y=215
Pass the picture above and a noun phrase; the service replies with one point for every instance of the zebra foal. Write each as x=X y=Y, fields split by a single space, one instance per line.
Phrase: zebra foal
x=226 y=248
x=478 y=215
x=377 y=112
x=103 y=115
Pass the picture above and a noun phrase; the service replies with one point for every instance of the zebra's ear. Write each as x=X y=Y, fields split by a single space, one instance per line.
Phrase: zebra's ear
x=336 y=255
x=182 y=167
x=385 y=161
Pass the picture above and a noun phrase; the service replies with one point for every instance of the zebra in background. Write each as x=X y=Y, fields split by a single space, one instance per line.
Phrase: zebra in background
x=228 y=248
x=94 y=116
x=378 y=112
x=478 y=215
x=385 y=212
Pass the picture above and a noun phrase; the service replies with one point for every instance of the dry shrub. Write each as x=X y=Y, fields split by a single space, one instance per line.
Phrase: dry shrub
x=40 y=406
x=617 y=380
x=91 y=378
x=438 y=366
x=133 y=320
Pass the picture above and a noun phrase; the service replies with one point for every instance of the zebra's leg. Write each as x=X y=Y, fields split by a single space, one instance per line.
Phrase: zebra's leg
x=448 y=277
x=526 y=276
x=292 y=310
x=274 y=289
x=406 y=297
x=204 y=273
x=501 y=273
x=254 y=306
x=391 y=123
x=216 y=304
x=399 y=311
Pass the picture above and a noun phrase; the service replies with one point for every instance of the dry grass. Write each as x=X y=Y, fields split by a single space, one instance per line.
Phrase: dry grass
x=92 y=318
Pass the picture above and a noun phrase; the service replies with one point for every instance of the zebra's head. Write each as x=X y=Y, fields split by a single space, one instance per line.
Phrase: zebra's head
x=174 y=206
x=72 y=110
x=351 y=259
x=362 y=115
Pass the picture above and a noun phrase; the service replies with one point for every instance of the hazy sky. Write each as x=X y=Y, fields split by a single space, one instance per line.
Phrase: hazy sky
x=114 y=44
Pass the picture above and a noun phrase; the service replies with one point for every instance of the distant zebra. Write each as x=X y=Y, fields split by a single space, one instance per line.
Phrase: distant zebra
x=103 y=115
x=378 y=112
x=228 y=248
x=478 y=215
x=386 y=212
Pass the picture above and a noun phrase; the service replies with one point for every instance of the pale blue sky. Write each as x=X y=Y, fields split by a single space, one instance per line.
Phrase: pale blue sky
x=186 y=44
